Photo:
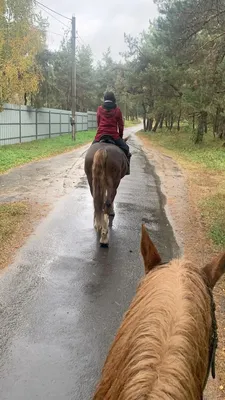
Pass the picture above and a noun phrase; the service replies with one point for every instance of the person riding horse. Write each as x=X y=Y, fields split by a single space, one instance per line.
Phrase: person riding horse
x=110 y=123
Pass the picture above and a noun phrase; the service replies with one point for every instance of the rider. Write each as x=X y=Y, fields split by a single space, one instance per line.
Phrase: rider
x=110 y=123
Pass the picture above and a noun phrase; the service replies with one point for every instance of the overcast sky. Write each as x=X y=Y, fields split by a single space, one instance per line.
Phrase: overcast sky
x=101 y=23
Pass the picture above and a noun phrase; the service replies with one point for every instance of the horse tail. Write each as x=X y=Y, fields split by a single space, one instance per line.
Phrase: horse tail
x=99 y=182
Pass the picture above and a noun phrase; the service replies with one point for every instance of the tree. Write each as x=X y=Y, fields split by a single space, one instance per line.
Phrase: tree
x=21 y=38
x=86 y=99
x=177 y=66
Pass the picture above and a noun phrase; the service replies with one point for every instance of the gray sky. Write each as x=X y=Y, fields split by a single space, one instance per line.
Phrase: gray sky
x=101 y=23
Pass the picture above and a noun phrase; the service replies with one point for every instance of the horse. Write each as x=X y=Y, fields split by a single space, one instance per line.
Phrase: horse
x=166 y=344
x=105 y=165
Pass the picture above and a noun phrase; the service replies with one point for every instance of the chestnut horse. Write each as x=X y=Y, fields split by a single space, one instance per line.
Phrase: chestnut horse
x=166 y=344
x=105 y=165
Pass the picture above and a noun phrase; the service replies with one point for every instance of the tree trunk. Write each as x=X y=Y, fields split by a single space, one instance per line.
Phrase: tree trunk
x=149 y=124
x=171 y=121
x=144 y=124
x=221 y=127
x=155 y=127
x=216 y=122
x=219 y=124
x=144 y=117
x=202 y=121
x=206 y=123
x=161 y=121
x=193 y=122
x=167 y=122
x=179 y=119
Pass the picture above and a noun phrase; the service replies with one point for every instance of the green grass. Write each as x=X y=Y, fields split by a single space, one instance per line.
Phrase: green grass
x=129 y=124
x=19 y=154
x=210 y=153
x=213 y=213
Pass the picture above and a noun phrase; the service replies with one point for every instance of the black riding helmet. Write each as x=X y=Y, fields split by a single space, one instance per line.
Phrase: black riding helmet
x=109 y=101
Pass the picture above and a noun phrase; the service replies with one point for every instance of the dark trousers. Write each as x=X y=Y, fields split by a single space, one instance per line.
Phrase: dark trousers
x=120 y=143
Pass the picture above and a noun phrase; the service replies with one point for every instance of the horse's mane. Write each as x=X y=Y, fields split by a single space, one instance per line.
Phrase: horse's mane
x=161 y=349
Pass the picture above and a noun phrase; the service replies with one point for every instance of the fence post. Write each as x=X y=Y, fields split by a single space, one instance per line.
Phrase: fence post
x=49 y=123
x=20 y=124
x=60 y=121
x=36 y=123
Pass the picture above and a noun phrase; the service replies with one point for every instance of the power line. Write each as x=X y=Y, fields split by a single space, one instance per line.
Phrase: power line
x=54 y=33
x=50 y=9
x=82 y=41
x=53 y=17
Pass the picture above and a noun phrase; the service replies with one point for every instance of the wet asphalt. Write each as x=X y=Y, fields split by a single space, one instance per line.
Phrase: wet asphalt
x=62 y=301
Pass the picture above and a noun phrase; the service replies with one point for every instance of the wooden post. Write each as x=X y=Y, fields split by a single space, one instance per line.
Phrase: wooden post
x=36 y=123
x=20 y=124
x=73 y=120
x=49 y=124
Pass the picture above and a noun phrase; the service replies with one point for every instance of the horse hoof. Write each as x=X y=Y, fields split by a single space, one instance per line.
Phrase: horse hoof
x=104 y=245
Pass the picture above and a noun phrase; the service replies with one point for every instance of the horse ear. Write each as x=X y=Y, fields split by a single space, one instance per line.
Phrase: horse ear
x=149 y=252
x=215 y=270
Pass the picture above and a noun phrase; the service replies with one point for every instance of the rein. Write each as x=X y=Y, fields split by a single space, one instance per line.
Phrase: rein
x=213 y=340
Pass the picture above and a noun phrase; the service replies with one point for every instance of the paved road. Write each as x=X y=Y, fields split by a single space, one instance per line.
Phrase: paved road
x=63 y=300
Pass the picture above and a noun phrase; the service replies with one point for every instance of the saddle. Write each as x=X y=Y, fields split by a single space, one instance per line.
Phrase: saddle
x=107 y=139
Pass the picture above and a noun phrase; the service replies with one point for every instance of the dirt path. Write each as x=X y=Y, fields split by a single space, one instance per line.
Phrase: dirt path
x=37 y=186
x=43 y=181
x=184 y=216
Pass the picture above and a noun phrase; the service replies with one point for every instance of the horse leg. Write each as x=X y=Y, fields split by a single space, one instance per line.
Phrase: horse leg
x=111 y=211
x=111 y=194
x=95 y=223
x=109 y=205
x=104 y=239
x=98 y=223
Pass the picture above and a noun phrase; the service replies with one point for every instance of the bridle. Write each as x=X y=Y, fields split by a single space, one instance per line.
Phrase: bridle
x=213 y=342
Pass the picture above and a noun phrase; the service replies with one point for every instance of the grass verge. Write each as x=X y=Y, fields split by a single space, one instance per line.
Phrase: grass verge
x=10 y=217
x=14 y=226
x=205 y=164
x=18 y=154
x=209 y=154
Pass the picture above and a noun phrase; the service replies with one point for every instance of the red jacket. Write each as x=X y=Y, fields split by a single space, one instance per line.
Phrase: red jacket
x=110 y=122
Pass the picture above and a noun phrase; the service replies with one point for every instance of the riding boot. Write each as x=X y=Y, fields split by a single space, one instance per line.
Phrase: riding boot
x=128 y=159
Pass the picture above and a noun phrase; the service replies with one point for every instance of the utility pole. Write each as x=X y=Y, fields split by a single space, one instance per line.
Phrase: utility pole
x=73 y=119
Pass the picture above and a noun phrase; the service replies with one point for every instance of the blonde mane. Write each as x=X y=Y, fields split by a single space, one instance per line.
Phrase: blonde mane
x=161 y=350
